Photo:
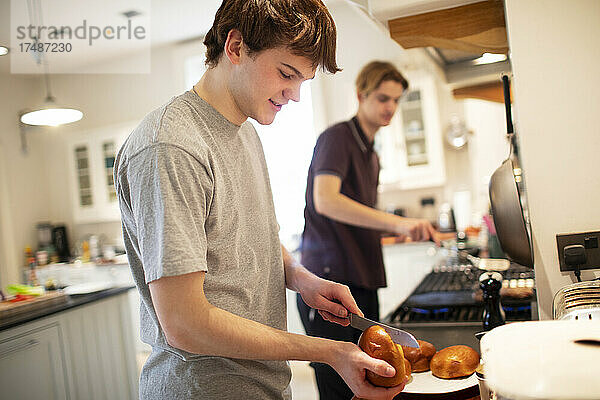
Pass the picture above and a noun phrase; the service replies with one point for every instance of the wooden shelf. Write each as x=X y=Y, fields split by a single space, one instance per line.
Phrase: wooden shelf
x=476 y=28
x=487 y=91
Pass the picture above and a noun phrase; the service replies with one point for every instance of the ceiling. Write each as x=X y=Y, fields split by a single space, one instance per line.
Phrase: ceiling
x=168 y=21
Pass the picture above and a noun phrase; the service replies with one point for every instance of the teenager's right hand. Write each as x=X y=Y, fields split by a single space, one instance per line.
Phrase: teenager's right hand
x=351 y=363
x=417 y=229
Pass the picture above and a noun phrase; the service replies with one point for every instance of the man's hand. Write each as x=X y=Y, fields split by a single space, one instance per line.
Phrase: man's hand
x=332 y=300
x=417 y=229
x=351 y=362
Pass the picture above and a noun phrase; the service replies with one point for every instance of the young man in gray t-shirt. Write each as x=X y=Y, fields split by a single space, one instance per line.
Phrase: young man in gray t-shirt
x=199 y=223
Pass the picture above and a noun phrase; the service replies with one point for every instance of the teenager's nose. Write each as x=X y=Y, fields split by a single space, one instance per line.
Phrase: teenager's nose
x=292 y=93
x=391 y=106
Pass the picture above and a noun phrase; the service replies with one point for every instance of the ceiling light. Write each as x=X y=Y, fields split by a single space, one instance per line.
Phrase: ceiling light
x=489 y=58
x=3 y=51
x=51 y=114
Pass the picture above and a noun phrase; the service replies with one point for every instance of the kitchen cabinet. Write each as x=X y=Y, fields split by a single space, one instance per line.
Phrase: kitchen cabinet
x=32 y=364
x=411 y=148
x=83 y=352
x=91 y=160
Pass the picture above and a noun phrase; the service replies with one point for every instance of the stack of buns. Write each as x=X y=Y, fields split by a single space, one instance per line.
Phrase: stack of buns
x=449 y=363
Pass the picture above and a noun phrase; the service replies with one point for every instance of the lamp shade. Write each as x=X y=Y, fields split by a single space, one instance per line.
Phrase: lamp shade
x=50 y=114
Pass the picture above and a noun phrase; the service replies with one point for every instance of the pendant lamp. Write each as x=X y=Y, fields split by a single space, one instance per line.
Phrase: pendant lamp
x=50 y=113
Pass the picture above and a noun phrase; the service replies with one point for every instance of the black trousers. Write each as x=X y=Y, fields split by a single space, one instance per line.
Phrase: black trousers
x=331 y=386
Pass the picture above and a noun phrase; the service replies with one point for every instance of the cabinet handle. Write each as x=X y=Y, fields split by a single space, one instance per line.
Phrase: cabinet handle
x=18 y=347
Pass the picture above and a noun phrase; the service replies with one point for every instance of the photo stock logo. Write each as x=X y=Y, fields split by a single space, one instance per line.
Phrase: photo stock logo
x=75 y=37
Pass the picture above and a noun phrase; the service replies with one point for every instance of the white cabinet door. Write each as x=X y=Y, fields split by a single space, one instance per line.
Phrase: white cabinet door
x=32 y=365
x=91 y=160
x=411 y=149
x=101 y=349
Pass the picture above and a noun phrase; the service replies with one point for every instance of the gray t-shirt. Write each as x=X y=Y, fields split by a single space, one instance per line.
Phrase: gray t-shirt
x=194 y=194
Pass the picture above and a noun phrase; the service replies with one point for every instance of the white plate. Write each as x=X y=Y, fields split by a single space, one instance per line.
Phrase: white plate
x=88 y=287
x=426 y=382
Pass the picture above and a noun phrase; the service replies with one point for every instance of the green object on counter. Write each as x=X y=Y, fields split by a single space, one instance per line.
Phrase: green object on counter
x=494 y=247
x=25 y=289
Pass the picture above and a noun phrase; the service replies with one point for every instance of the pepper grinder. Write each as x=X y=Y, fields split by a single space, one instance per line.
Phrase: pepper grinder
x=493 y=314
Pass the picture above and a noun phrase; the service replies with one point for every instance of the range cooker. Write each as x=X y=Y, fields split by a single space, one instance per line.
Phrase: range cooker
x=446 y=309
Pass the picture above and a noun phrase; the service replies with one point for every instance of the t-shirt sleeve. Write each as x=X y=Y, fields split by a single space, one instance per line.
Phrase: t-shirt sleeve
x=171 y=194
x=331 y=155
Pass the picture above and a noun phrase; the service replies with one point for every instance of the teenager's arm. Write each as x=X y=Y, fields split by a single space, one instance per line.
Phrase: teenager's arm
x=334 y=205
x=191 y=323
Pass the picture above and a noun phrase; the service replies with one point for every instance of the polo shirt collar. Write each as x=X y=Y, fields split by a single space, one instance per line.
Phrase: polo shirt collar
x=360 y=137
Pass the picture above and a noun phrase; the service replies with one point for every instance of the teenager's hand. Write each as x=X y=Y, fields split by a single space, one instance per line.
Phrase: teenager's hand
x=332 y=300
x=351 y=363
x=417 y=229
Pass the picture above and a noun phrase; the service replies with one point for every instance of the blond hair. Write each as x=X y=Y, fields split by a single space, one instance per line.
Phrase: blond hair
x=371 y=75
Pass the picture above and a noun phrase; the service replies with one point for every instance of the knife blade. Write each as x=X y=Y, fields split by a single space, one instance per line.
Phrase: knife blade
x=398 y=335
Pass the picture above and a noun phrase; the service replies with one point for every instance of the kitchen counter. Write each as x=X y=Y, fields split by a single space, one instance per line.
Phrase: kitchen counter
x=81 y=348
x=71 y=302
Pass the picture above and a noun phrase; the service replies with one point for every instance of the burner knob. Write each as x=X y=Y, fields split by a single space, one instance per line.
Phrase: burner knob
x=493 y=313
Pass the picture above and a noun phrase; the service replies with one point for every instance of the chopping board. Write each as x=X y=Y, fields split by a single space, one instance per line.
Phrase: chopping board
x=8 y=309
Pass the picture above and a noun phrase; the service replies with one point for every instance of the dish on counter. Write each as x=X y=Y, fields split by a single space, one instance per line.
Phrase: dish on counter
x=427 y=383
x=87 y=287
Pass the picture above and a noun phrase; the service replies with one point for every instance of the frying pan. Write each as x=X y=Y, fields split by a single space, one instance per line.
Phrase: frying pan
x=505 y=200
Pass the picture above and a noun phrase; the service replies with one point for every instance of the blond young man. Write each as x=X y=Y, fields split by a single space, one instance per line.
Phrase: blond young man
x=199 y=223
x=342 y=233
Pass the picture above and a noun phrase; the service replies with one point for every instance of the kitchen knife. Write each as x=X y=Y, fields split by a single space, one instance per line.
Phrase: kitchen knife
x=398 y=335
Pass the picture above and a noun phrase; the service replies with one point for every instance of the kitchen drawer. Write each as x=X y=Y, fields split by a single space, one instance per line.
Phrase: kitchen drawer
x=32 y=365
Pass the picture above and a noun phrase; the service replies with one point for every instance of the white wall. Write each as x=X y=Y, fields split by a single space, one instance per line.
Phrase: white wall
x=22 y=181
x=555 y=57
x=488 y=146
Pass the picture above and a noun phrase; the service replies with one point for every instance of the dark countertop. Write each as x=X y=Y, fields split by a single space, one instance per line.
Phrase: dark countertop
x=71 y=302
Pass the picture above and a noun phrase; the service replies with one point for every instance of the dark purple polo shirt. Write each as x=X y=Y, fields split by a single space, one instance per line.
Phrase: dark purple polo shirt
x=334 y=250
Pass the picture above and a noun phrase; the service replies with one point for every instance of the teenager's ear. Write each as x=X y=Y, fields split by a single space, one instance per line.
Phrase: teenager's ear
x=234 y=46
x=359 y=96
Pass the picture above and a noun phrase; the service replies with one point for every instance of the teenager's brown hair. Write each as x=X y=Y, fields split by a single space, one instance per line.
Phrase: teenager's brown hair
x=371 y=75
x=303 y=26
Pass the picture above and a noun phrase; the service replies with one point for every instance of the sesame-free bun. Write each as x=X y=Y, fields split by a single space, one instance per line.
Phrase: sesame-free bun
x=454 y=362
x=377 y=343
x=419 y=358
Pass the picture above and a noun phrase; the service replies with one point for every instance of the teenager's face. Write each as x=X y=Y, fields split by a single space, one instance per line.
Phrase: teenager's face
x=264 y=82
x=379 y=106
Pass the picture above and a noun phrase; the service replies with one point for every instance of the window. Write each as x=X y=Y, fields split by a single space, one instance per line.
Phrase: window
x=109 y=154
x=83 y=176
x=288 y=144
x=194 y=68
